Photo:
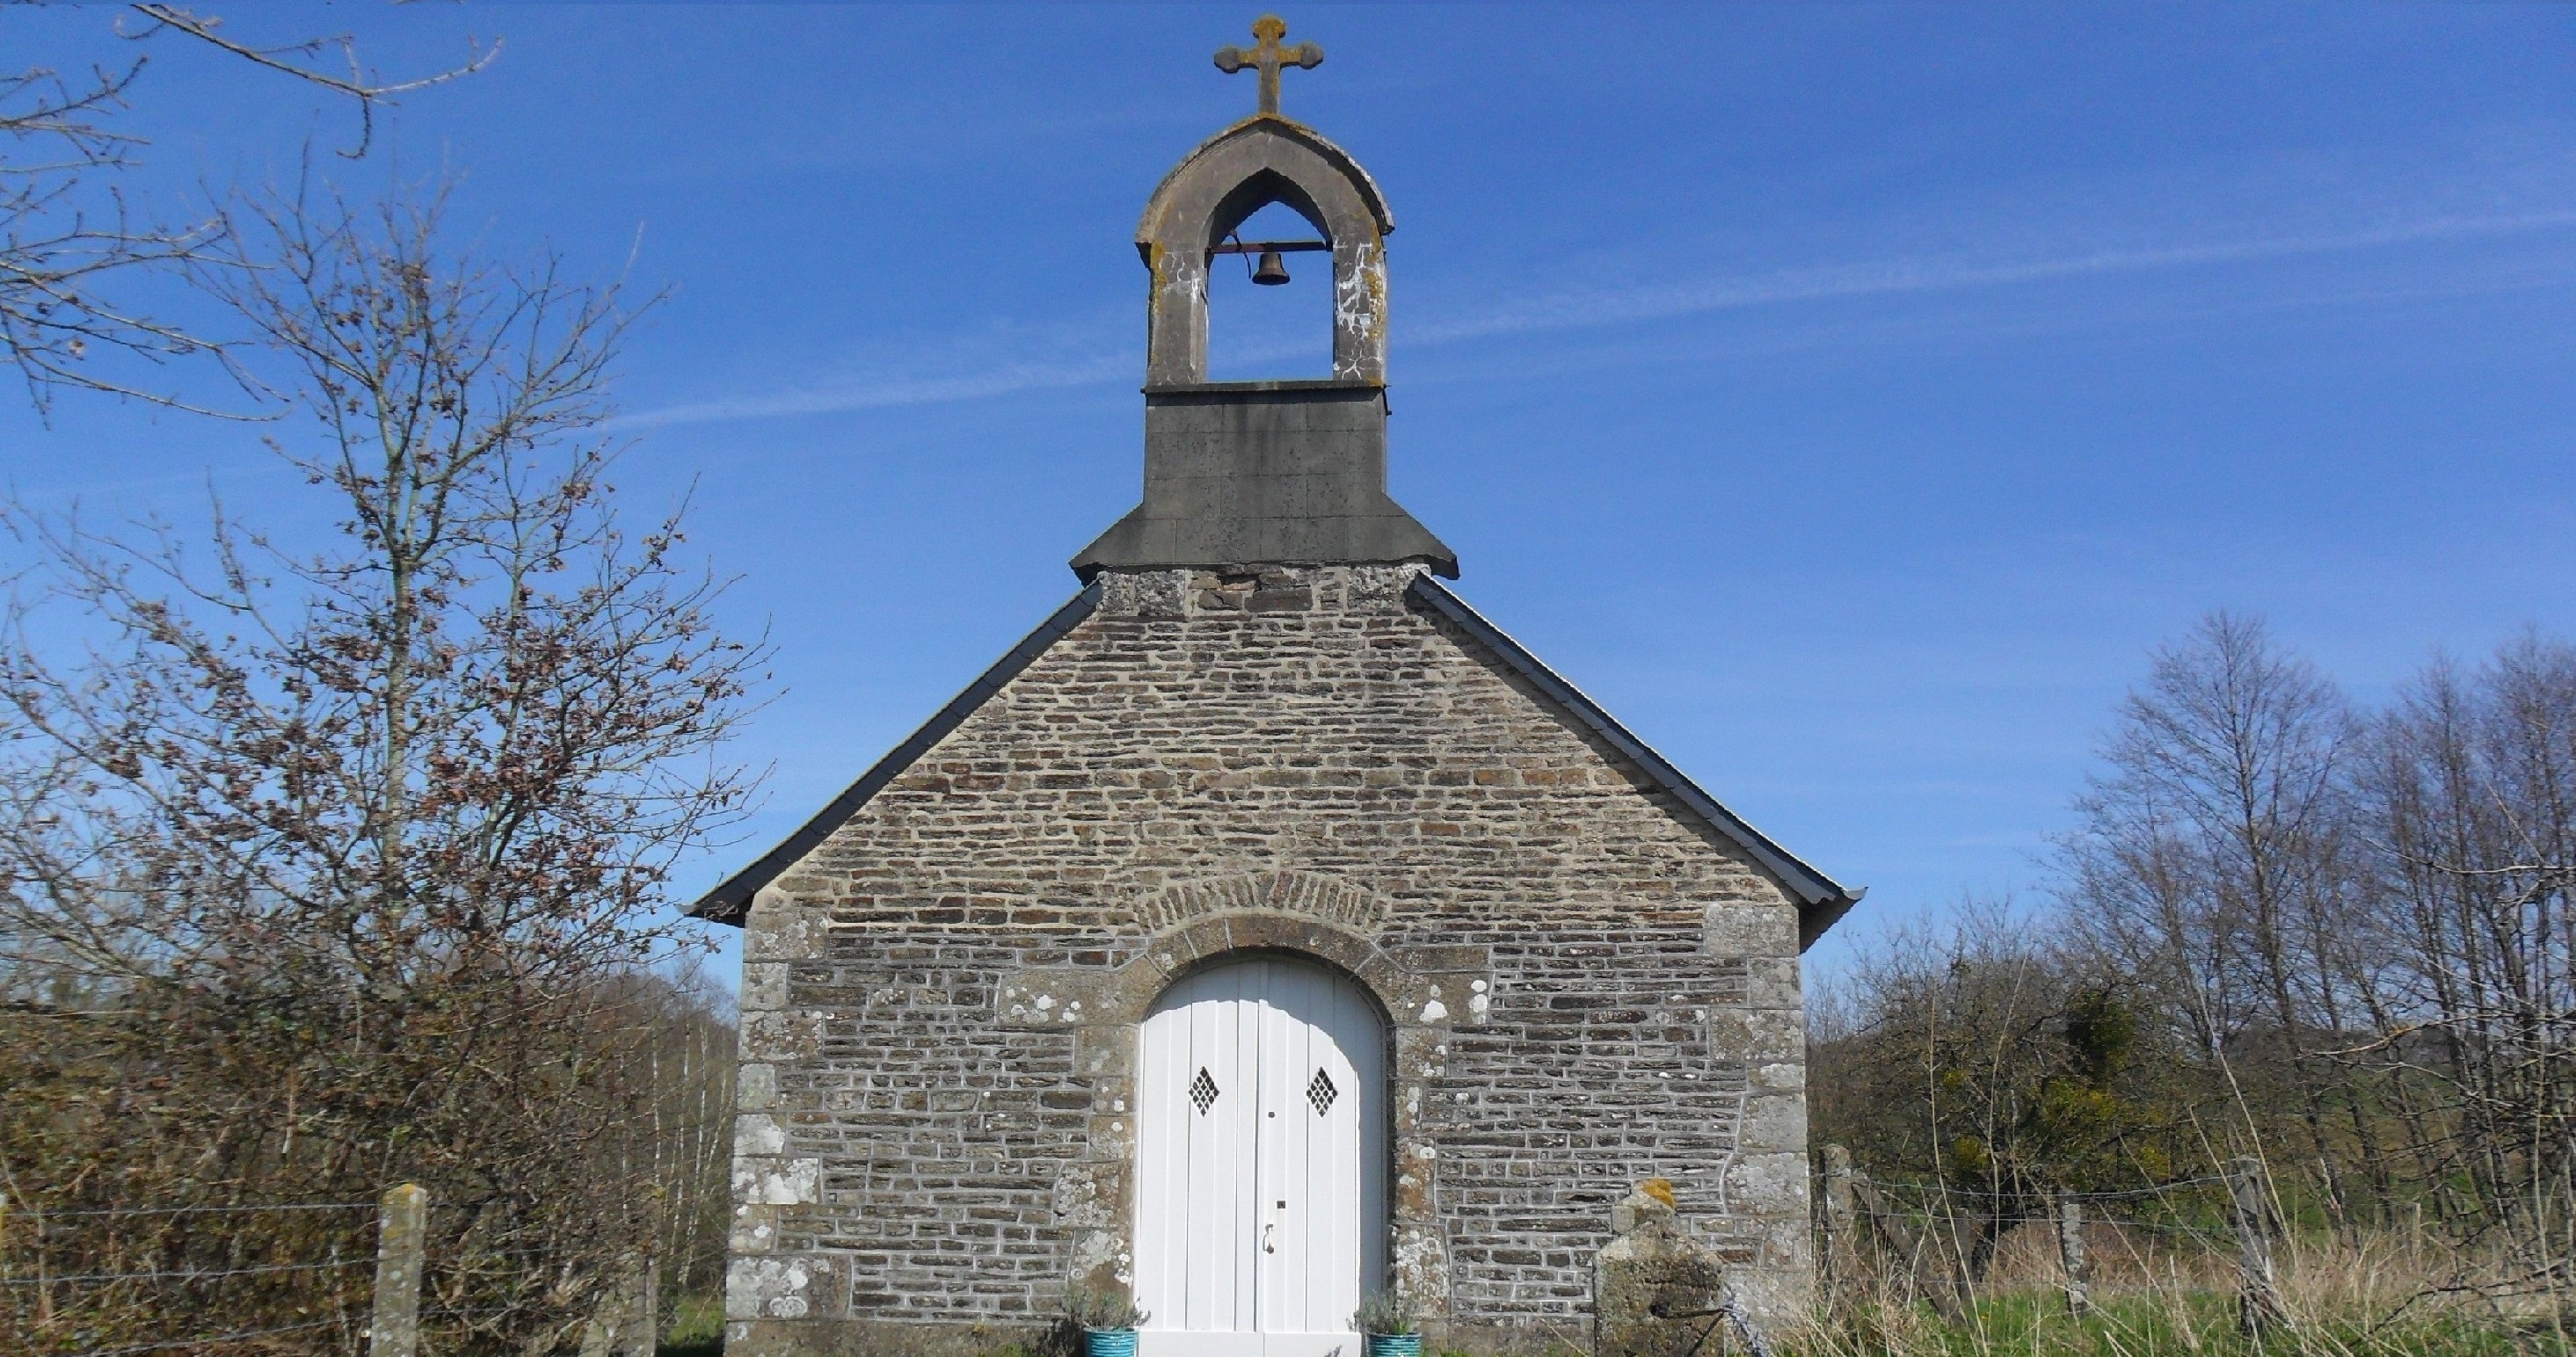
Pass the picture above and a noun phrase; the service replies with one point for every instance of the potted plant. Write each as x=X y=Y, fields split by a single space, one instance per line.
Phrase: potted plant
x=1385 y=1321
x=1108 y=1321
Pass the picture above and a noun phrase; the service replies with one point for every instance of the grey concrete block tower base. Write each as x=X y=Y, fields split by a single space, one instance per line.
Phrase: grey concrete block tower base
x=1265 y=471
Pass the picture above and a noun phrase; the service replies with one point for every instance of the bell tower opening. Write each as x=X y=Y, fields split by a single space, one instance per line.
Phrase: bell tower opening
x=1265 y=433
x=1270 y=299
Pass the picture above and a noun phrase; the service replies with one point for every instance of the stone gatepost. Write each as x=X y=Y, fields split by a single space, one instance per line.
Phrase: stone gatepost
x=1656 y=1288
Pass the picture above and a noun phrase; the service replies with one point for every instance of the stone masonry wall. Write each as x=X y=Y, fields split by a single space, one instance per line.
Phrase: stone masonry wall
x=1587 y=987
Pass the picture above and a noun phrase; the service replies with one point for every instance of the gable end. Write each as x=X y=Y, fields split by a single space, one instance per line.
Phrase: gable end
x=1821 y=902
x=727 y=903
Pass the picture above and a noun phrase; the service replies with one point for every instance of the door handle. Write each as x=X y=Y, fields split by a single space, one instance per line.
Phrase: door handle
x=1266 y=1245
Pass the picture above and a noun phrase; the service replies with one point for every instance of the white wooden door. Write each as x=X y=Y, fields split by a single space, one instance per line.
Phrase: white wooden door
x=1260 y=1159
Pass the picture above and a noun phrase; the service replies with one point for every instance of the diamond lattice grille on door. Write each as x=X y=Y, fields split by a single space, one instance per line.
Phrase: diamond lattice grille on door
x=1320 y=1092
x=1202 y=1091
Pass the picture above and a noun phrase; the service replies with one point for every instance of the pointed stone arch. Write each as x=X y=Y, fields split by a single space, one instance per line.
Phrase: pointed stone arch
x=1262 y=160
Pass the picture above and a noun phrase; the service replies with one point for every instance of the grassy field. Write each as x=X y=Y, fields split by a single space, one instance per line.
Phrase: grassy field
x=2034 y=1323
x=2344 y=1302
x=2193 y=1323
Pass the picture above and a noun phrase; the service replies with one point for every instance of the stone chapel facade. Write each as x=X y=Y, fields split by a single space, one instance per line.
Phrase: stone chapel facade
x=1266 y=928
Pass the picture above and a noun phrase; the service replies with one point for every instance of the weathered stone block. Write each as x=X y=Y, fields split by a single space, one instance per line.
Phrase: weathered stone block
x=1656 y=1287
x=781 y=1038
x=1774 y=1122
x=1767 y=1036
x=755 y=1087
x=1773 y=982
x=764 y=985
x=754 y=1230
x=756 y=1135
x=780 y=1287
x=1769 y=1184
x=777 y=1182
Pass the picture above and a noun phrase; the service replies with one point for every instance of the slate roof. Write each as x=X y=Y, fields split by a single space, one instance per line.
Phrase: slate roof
x=1821 y=901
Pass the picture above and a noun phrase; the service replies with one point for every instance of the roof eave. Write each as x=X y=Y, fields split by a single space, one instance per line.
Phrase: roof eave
x=1821 y=901
x=730 y=901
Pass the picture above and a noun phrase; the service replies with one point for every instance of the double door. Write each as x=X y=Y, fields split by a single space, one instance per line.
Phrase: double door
x=1260 y=1160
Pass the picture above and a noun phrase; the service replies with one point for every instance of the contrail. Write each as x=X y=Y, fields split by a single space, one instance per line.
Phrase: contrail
x=1570 y=310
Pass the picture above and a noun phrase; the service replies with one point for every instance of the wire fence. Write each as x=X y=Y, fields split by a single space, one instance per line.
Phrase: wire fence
x=237 y=1279
x=286 y=1279
x=216 y=1340
x=272 y=1208
x=1944 y=1243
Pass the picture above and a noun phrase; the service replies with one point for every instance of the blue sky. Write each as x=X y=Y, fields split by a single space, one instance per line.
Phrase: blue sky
x=1847 y=396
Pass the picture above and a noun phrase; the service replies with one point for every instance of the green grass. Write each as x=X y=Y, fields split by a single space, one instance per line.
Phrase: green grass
x=2150 y=1324
x=697 y=1328
x=2021 y=1323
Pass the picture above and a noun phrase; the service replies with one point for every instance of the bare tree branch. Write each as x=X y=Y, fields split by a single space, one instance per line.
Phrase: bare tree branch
x=69 y=234
x=357 y=84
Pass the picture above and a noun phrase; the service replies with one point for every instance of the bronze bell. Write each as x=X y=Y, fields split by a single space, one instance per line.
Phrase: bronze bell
x=1271 y=271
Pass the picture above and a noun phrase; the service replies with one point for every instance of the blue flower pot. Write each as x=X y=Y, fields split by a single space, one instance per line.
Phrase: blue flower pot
x=1394 y=1344
x=1122 y=1343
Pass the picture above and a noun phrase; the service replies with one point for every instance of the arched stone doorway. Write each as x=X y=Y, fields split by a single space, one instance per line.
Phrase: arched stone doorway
x=1261 y=1160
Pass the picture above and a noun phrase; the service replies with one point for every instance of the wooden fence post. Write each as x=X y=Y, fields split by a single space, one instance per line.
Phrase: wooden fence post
x=402 y=1239
x=1841 y=1258
x=2258 y=1296
x=2071 y=1256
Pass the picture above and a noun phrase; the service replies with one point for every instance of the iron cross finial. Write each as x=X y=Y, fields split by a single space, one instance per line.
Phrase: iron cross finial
x=1269 y=57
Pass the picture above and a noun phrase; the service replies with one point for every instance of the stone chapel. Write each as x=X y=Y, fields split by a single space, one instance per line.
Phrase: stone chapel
x=1266 y=929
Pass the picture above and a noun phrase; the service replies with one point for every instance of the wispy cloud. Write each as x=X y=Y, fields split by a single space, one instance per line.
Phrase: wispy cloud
x=1089 y=355
x=870 y=394
x=1574 y=309
x=933 y=370
x=1997 y=317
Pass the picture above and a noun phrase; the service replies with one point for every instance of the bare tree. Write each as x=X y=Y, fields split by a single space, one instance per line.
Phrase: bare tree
x=331 y=868
x=69 y=231
x=301 y=59
x=2471 y=790
x=2213 y=856
x=2348 y=944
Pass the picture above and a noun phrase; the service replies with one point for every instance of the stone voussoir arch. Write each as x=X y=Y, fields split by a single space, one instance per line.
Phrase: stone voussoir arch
x=1314 y=895
x=1193 y=924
